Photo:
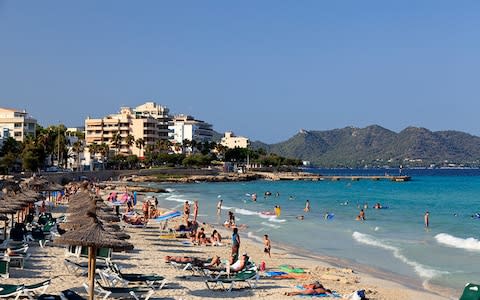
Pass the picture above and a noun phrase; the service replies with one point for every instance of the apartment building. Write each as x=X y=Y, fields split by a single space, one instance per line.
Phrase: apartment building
x=230 y=140
x=17 y=124
x=185 y=127
x=148 y=122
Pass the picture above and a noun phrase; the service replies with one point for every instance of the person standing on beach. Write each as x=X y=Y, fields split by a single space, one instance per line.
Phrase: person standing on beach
x=235 y=244
x=195 y=211
x=219 y=207
x=267 y=245
x=427 y=219
x=307 y=206
x=186 y=211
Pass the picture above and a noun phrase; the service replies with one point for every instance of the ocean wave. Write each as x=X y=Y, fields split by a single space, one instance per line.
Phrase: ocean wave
x=276 y=220
x=177 y=198
x=420 y=269
x=254 y=237
x=471 y=244
x=271 y=225
x=246 y=212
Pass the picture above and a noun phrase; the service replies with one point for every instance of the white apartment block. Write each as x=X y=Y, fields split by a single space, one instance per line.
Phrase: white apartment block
x=231 y=141
x=148 y=122
x=185 y=127
x=17 y=124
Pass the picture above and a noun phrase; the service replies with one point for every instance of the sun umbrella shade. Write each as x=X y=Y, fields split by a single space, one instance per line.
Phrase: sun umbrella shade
x=92 y=235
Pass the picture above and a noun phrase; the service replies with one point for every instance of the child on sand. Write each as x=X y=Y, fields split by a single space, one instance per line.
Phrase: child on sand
x=267 y=245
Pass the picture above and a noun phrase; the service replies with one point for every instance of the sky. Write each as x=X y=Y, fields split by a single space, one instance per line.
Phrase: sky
x=262 y=69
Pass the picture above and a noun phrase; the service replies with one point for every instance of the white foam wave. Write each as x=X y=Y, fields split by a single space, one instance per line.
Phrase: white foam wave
x=226 y=207
x=420 y=269
x=246 y=212
x=470 y=244
x=276 y=220
x=271 y=225
x=170 y=190
x=254 y=237
x=176 y=198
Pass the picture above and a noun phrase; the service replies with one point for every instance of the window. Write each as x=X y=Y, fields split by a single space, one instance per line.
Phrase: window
x=18 y=125
x=18 y=134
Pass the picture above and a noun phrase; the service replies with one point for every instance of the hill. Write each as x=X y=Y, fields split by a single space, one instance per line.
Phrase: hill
x=375 y=146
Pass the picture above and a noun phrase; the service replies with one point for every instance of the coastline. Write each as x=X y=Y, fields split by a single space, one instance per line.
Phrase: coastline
x=147 y=257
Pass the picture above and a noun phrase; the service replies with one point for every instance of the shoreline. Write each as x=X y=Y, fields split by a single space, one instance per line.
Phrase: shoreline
x=369 y=274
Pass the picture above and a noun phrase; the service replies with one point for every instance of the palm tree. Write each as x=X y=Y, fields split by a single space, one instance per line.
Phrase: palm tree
x=163 y=145
x=116 y=141
x=129 y=140
x=140 y=143
x=186 y=144
x=77 y=148
x=103 y=150
x=93 y=149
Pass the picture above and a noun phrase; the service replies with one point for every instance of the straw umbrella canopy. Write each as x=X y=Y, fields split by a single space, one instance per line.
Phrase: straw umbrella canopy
x=52 y=187
x=7 y=209
x=93 y=236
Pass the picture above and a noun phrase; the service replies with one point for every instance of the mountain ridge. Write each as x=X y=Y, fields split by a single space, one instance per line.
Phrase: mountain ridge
x=376 y=146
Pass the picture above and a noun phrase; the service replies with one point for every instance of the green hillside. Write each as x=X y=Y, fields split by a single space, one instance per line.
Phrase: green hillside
x=375 y=146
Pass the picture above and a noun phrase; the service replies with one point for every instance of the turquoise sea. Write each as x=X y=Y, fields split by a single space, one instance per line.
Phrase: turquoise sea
x=393 y=241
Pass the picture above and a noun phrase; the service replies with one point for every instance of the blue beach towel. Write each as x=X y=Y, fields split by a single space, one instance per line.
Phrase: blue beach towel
x=273 y=273
x=168 y=216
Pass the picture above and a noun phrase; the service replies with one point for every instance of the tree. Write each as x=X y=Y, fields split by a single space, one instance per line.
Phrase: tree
x=116 y=141
x=140 y=143
x=129 y=140
x=77 y=148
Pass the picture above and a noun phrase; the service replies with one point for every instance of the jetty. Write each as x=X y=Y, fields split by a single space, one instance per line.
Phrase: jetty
x=317 y=177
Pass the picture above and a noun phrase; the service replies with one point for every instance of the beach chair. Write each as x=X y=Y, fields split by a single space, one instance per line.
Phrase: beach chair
x=11 y=291
x=102 y=253
x=4 y=268
x=32 y=291
x=73 y=251
x=121 y=292
x=152 y=280
x=250 y=277
x=471 y=292
x=70 y=295
x=80 y=268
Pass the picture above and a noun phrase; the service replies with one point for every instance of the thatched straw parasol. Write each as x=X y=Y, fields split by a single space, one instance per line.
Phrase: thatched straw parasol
x=92 y=236
x=52 y=187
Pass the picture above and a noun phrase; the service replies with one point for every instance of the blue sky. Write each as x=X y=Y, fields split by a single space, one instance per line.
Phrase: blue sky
x=264 y=69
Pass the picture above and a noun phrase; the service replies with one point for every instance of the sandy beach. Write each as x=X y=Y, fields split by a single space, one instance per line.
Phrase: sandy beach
x=148 y=257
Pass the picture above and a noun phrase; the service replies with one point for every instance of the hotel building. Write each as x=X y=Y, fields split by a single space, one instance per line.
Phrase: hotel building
x=148 y=122
x=232 y=141
x=187 y=128
x=17 y=124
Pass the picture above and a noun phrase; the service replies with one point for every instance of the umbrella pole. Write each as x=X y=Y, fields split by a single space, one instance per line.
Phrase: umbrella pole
x=92 y=252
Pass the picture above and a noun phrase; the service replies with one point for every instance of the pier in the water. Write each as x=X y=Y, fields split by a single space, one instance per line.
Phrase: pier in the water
x=317 y=177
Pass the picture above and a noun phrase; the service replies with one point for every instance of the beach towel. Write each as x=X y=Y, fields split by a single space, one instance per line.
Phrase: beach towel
x=273 y=273
x=168 y=216
x=291 y=269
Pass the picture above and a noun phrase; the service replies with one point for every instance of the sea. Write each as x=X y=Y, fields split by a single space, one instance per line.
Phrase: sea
x=392 y=240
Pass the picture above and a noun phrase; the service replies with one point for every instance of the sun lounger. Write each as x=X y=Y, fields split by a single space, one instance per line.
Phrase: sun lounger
x=80 y=268
x=152 y=280
x=250 y=277
x=121 y=292
x=11 y=291
x=115 y=280
x=70 y=295
x=4 y=268
x=36 y=289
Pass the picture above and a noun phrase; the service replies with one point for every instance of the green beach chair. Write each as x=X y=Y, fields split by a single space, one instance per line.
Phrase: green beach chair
x=11 y=291
x=34 y=290
x=4 y=268
x=250 y=277
x=121 y=292
x=471 y=292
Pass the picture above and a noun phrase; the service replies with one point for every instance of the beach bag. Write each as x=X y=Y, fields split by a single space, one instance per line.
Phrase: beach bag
x=471 y=292
x=263 y=266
